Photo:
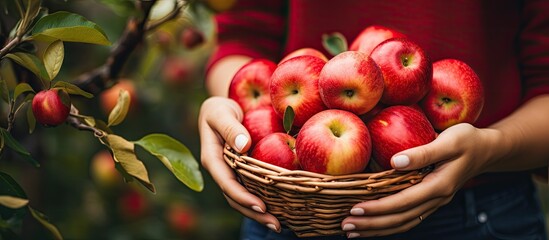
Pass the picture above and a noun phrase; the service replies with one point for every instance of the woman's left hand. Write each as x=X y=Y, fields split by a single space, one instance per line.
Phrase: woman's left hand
x=459 y=153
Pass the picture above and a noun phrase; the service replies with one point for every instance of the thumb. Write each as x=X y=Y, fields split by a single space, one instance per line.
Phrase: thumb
x=422 y=156
x=226 y=121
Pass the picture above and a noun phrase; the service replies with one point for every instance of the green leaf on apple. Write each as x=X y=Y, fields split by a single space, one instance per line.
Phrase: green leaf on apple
x=53 y=58
x=43 y=219
x=176 y=157
x=33 y=64
x=72 y=89
x=120 y=110
x=124 y=154
x=17 y=147
x=68 y=27
x=335 y=43
x=288 y=119
x=13 y=202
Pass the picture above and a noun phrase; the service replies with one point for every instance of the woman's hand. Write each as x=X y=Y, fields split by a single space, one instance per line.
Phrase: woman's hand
x=219 y=123
x=459 y=153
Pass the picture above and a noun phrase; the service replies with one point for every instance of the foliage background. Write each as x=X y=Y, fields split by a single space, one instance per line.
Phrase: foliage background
x=64 y=189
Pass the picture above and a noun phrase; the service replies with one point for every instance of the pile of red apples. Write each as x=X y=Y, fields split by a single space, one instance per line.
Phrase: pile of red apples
x=354 y=111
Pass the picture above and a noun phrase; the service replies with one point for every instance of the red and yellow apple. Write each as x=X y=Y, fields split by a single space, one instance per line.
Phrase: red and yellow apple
x=334 y=142
x=277 y=149
x=51 y=107
x=250 y=84
x=406 y=69
x=109 y=97
x=304 y=52
x=397 y=128
x=295 y=83
x=103 y=170
x=351 y=81
x=455 y=95
x=372 y=36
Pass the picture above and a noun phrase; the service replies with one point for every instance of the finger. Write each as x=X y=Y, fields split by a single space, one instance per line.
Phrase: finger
x=393 y=230
x=225 y=177
x=226 y=121
x=356 y=223
x=266 y=219
x=440 y=149
x=429 y=188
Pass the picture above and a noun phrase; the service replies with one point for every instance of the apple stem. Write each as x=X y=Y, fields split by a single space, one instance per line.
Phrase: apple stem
x=349 y=93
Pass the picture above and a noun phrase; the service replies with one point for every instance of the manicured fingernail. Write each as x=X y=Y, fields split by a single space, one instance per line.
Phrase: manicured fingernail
x=240 y=142
x=353 y=235
x=258 y=209
x=272 y=227
x=357 y=211
x=401 y=161
x=349 y=227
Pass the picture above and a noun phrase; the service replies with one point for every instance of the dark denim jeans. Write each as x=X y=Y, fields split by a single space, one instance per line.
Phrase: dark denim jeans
x=504 y=211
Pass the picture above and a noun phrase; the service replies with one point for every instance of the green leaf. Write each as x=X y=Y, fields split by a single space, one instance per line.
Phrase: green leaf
x=31 y=63
x=69 y=27
x=288 y=119
x=31 y=120
x=176 y=157
x=8 y=186
x=22 y=88
x=13 y=202
x=53 y=58
x=17 y=147
x=120 y=110
x=43 y=219
x=72 y=89
x=124 y=153
x=334 y=43
x=32 y=9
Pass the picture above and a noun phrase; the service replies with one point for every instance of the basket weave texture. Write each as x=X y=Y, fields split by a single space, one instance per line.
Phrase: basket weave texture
x=312 y=204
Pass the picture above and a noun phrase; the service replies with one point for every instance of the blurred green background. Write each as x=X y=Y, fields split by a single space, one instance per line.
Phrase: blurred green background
x=75 y=188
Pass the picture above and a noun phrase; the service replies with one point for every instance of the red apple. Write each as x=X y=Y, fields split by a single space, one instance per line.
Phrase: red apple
x=456 y=94
x=51 y=107
x=261 y=122
x=295 y=83
x=250 y=84
x=191 y=37
x=181 y=218
x=356 y=89
x=103 y=170
x=406 y=69
x=372 y=36
x=334 y=142
x=177 y=71
x=397 y=128
x=304 y=52
x=133 y=204
x=277 y=149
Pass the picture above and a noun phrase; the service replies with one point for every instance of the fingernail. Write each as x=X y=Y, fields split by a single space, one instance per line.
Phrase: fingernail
x=272 y=227
x=357 y=211
x=240 y=142
x=401 y=161
x=258 y=209
x=353 y=235
x=349 y=227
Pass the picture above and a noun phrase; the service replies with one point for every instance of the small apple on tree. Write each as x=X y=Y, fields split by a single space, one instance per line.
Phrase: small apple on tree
x=51 y=107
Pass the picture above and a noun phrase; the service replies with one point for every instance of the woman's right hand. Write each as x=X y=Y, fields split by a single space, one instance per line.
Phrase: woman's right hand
x=219 y=123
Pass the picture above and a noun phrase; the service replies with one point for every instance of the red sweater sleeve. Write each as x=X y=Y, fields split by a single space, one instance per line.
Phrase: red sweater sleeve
x=254 y=28
x=534 y=48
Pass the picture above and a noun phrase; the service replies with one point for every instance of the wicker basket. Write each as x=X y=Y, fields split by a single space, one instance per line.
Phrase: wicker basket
x=312 y=204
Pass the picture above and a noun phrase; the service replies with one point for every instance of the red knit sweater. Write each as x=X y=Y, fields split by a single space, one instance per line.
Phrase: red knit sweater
x=505 y=42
